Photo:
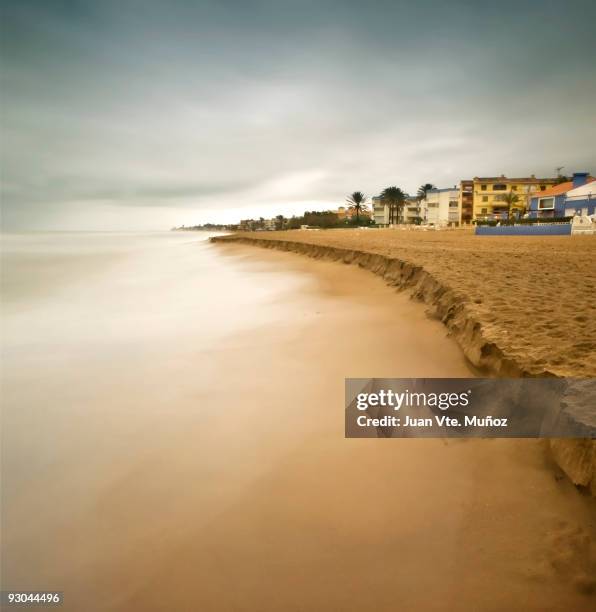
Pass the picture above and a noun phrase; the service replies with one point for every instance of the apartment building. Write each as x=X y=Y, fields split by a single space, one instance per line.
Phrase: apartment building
x=410 y=213
x=559 y=201
x=466 y=201
x=488 y=194
x=247 y=225
x=380 y=211
x=441 y=207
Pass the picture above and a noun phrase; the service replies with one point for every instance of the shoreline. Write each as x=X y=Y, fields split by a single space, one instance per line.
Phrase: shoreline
x=576 y=457
x=447 y=306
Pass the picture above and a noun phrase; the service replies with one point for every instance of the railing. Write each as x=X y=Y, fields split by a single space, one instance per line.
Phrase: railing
x=539 y=221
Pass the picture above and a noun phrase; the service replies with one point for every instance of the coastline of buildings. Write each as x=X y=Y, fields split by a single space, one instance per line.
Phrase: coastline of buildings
x=494 y=199
x=477 y=200
x=342 y=217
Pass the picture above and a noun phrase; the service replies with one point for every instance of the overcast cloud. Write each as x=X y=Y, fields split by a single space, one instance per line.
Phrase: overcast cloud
x=124 y=115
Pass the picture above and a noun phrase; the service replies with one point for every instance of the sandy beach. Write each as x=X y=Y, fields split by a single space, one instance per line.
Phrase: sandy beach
x=534 y=298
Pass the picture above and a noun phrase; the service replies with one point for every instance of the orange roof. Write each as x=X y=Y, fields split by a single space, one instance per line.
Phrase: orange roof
x=558 y=189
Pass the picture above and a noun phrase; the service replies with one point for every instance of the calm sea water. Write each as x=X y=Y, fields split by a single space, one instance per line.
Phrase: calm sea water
x=109 y=354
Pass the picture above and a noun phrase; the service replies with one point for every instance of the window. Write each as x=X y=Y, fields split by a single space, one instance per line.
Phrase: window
x=546 y=203
x=513 y=187
x=499 y=187
x=484 y=211
x=542 y=187
x=483 y=187
x=485 y=198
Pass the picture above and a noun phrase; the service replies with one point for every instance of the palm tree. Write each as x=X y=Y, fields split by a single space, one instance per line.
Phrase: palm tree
x=424 y=189
x=395 y=198
x=511 y=199
x=356 y=202
x=279 y=222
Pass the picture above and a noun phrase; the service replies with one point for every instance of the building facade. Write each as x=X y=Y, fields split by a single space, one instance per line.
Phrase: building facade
x=410 y=213
x=247 y=225
x=561 y=200
x=466 y=201
x=489 y=192
x=380 y=212
x=581 y=201
x=441 y=207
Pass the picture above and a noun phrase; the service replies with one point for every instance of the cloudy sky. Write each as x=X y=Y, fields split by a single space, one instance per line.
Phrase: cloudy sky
x=142 y=115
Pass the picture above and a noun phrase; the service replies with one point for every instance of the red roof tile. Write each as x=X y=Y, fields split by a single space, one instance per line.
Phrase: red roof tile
x=557 y=189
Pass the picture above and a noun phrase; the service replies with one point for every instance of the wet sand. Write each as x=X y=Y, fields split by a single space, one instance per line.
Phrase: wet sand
x=241 y=493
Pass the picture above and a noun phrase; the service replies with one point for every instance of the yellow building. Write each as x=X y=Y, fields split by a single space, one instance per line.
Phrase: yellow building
x=488 y=194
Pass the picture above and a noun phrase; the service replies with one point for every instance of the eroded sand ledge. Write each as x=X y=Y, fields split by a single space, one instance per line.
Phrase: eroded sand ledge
x=577 y=458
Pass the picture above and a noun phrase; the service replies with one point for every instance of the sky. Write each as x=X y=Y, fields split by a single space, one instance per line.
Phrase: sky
x=141 y=115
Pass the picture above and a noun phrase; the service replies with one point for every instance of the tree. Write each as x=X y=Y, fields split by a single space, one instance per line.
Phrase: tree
x=511 y=199
x=279 y=222
x=315 y=218
x=423 y=190
x=395 y=199
x=321 y=218
x=356 y=202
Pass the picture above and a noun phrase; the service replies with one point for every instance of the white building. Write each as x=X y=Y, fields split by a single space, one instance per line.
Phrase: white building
x=380 y=211
x=441 y=207
x=581 y=200
x=410 y=212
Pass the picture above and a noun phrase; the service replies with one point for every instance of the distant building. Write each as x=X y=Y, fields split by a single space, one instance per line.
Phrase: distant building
x=247 y=225
x=441 y=207
x=270 y=224
x=556 y=201
x=350 y=212
x=380 y=211
x=552 y=202
x=581 y=200
x=488 y=193
x=466 y=201
x=410 y=213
